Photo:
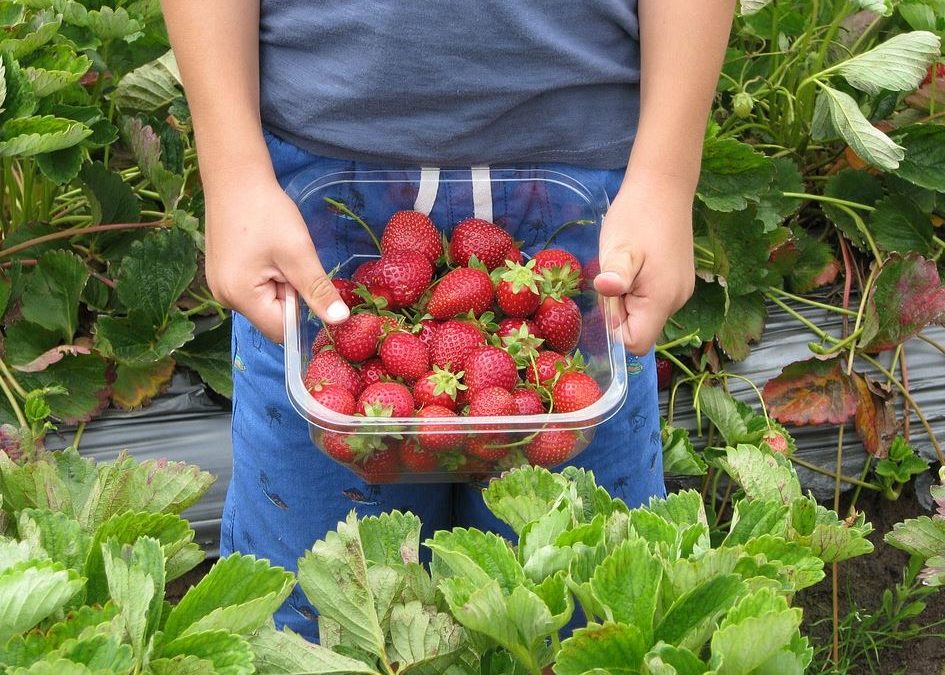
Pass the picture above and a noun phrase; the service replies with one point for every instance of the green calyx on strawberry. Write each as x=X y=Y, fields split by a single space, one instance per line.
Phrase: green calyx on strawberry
x=522 y=345
x=559 y=271
x=438 y=387
x=517 y=289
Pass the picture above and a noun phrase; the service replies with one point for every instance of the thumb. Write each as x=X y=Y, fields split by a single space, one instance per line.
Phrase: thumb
x=304 y=272
x=619 y=268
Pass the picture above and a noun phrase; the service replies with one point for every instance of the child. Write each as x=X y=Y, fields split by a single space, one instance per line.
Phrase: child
x=346 y=85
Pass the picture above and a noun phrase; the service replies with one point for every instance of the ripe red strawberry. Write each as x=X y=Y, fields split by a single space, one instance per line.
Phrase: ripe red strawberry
x=517 y=290
x=427 y=329
x=337 y=447
x=664 y=373
x=574 y=391
x=404 y=355
x=491 y=401
x=487 y=446
x=480 y=238
x=550 y=448
x=372 y=371
x=560 y=272
x=489 y=367
x=560 y=322
x=438 y=387
x=386 y=399
x=378 y=297
x=545 y=367
x=528 y=402
x=462 y=290
x=406 y=274
x=322 y=340
x=328 y=367
x=521 y=344
x=382 y=466
x=452 y=341
x=937 y=70
x=356 y=339
x=551 y=258
x=475 y=468
x=514 y=255
x=412 y=231
x=366 y=273
x=334 y=397
x=416 y=458
x=510 y=327
x=345 y=289
x=434 y=437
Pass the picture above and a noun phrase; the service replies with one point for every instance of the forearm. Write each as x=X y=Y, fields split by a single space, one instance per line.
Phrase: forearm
x=682 y=48
x=216 y=43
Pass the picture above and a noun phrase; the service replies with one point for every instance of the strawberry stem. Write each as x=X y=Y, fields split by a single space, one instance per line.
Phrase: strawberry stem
x=343 y=209
x=562 y=228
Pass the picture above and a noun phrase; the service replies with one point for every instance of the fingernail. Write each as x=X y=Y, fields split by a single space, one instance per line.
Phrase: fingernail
x=610 y=275
x=337 y=312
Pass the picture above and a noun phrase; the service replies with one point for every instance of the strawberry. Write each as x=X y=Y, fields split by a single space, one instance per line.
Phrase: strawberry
x=356 y=339
x=514 y=255
x=560 y=323
x=487 y=446
x=545 y=367
x=490 y=402
x=517 y=290
x=474 y=468
x=346 y=288
x=936 y=70
x=366 y=273
x=438 y=387
x=386 y=399
x=380 y=467
x=550 y=448
x=559 y=271
x=328 y=367
x=374 y=296
x=322 y=340
x=451 y=343
x=664 y=373
x=463 y=290
x=480 y=238
x=510 y=327
x=521 y=343
x=527 y=402
x=334 y=397
x=406 y=274
x=337 y=447
x=416 y=458
x=489 y=367
x=778 y=441
x=434 y=437
x=552 y=258
x=412 y=231
x=426 y=329
x=373 y=371
x=574 y=391
x=404 y=355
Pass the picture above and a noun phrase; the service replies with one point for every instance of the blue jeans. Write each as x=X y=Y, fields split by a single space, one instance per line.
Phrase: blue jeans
x=285 y=494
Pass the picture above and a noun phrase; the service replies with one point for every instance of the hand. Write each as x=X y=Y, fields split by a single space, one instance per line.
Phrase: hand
x=256 y=243
x=646 y=257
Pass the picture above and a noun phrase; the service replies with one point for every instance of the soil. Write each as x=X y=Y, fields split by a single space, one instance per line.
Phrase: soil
x=862 y=582
x=175 y=589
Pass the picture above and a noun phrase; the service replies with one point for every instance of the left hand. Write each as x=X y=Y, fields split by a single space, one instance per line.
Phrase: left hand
x=646 y=256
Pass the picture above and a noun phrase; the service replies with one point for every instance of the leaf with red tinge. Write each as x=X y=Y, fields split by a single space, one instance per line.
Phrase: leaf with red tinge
x=814 y=391
x=87 y=381
x=875 y=418
x=135 y=386
x=54 y=355
x=816 y=265
x=906 y=297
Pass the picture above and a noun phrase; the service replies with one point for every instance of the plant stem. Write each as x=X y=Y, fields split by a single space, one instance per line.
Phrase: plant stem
x=808 y=301
x=344 y=210
x=933 y=343
x=79 y=430
x=669 y=357
x=20 y=417
x=822 y=471
x=838 y=469
x=74 y=231
x=810 y=325
x=835 y=599
x=685 y=340
x=12 y=380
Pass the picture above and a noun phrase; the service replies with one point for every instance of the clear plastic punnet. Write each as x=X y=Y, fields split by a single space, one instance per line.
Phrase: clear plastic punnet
x=540 y=209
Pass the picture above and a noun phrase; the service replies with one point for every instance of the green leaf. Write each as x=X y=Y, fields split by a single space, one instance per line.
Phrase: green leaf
x=133 y=341
x=882 y=7
x=181 y=665
x=899 y=226
x=852 y=186
x=31 y=591
x=761 y=475
x=61 y=166
x=722 y=409
x=537 y=550
x=26 y=343
x=229 y=653
x=686 y=574
x=478 y=556
x=741 y=250
x=738 y=649
x=754 y=518
x=86 y=382
x=55 y=667
x=898 y=64
x=868 y=142
x=238 y=594
x=151 y=86
x=423 y=637
x=733 y=174
x=835 y=540
x=391 y=538
x=743 y=324
x=56 y=533
x=690 y=620
x=796 y=564
x=613 y=648
x=285 y=653
x=333 y=575
x=135 y=386
x=925 y=155
x=14 y=552
x=28 y=136
x=209 y=354
x=666 y=659
x=748 y=7
x=815 y=266
x=57 y=67
x=774 y=207
x=702 y=314
x=679 y=455
x=111 y=24
x=40 y=32
x=135 y=574
x=155 y=273
x=19 y=101
x=111 y=200
x=101 y=653
x=918 y=15
x=146 y=147
x=635 y=602
x=52 y=294
x=922 y=536
x=523 y=495
x=587 y=499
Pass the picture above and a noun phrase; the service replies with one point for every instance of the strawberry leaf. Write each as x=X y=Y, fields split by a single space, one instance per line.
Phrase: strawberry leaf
x=875 y=417
x=925 y=155
x=906 y=297
x=611 y=647
x=741 y=250
x=679 y=455
x=25 y=342
x=31 y=591
x=774 y=207
x=733 y=174
x=53 y=290
x=228 y=653
x=743 y=323
x=853 y=186
x=135 y=574
x=85 y=380
x=761 y=475
x=209 y=354
x=28 y=136
x=155 y=273
x=283 y=651
x=132 y=341
x=135 y=386
x=524 y=495
x=111 y=200
x=635 y=603
x=811 y=392
x=56 y=533
x=61 y=166
x=815 y=266
x=898 y=225
x=702 y=314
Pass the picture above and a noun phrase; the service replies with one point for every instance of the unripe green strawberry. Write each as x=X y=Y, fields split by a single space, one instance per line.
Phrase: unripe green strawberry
x=742 y=104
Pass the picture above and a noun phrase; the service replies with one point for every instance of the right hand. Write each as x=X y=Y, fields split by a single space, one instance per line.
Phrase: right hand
x=257 y=241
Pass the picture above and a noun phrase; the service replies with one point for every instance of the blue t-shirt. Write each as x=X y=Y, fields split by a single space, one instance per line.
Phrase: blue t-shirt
x=453 y=82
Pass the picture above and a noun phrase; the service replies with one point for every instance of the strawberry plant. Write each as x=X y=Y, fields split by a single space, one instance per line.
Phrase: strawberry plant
x=924 y=537
x=100 y=296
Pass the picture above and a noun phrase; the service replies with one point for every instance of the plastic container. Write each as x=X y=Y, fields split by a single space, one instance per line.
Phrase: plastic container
x=548 y=198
